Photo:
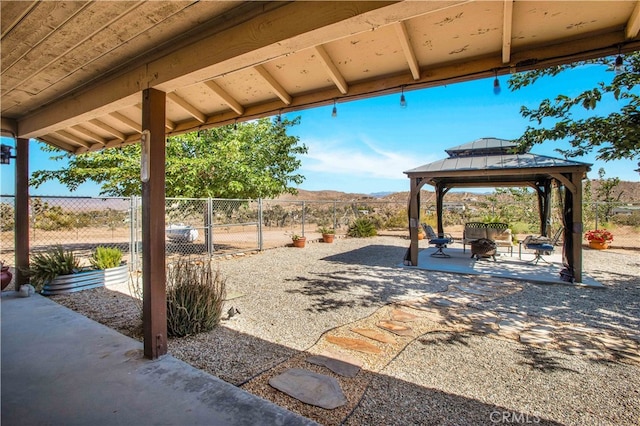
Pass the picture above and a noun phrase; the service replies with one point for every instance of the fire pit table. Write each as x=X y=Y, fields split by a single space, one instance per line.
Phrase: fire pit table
x=483 y=248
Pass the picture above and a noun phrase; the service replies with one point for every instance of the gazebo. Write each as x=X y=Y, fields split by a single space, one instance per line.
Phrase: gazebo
x=493 y=162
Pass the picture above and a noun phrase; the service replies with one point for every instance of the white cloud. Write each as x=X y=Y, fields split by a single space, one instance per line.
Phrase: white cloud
x=360 y=157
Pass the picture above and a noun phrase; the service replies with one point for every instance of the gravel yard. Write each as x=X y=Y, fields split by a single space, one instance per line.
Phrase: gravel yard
x=511 y=350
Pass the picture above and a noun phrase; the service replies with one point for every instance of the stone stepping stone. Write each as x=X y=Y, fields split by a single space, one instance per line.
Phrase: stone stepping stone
x=310 y=388
x=474 y=291
x=338 y=366
x=396 y=327
x=354 y=344
x=342 y=357
x=375 y=335
x=402 y=316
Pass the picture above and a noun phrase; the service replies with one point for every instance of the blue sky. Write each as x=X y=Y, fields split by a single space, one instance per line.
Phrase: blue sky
x=371 y=142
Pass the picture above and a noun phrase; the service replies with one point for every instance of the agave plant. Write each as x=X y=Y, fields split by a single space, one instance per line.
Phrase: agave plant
x=46 y=266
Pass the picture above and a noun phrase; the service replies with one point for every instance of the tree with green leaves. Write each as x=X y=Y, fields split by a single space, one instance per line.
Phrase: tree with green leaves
x=606 y=192
x=251 y=160
x=613 y=136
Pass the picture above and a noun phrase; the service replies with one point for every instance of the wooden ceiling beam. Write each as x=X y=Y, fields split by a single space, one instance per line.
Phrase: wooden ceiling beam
x=409 y=54
x=88 y=133
x=331 y=68
x=275 y=86
x=507 y=27
x=633 y=25
x=104 y=126
x=127 y=121
x=182 y=103
x=72 y=138
x=226 y=97
x=52 y=140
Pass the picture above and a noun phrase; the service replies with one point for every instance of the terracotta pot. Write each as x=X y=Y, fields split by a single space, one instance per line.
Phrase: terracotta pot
x=420 y=236
x=598 y=245
x=300 y=242
x=5 y=277
x=328 y=238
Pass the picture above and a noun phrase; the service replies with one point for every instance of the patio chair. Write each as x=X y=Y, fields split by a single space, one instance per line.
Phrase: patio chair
x=541 y=245
x=440 y=241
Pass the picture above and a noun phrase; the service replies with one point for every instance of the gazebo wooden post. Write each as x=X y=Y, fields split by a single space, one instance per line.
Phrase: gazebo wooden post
x=546 y=216
x=540 y=194
x=440 y=191
x=414 y=220
x=577 y=228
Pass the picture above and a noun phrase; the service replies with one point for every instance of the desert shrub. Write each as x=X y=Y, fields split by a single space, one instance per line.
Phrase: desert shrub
x=399 y=219
x=47 y=265
x=106 y=257
x=195 y=295
x=629 y=220
x=523 y=228
x=361 y=228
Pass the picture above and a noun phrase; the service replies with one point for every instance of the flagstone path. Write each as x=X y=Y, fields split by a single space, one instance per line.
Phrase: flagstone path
x=371 y=343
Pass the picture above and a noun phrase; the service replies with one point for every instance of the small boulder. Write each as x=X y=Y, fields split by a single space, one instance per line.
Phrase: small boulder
x=26 y=290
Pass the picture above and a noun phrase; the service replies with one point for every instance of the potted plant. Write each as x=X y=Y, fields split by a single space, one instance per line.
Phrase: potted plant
x=298 y=240
x=599 y=238
x=6 y=275
x=109 y=259
x=328 y=234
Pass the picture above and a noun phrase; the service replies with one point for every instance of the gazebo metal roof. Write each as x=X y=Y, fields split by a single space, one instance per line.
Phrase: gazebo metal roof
x=492 y=161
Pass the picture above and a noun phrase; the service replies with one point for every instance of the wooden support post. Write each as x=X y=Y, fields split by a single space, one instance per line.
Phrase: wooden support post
x=414 y=221
x=546 y=231
x=440 y=191
x=154 y=303
x=577 y=230
x=22 y=212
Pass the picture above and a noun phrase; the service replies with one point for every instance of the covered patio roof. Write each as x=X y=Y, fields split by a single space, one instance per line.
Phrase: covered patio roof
x=493 y=162
x=89 y=75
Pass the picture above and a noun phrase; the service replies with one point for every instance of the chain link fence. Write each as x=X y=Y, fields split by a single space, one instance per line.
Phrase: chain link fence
x=218 y=227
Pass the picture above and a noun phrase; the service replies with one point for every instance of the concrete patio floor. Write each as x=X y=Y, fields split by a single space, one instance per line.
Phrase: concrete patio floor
x=61 y=368
x=516 y=266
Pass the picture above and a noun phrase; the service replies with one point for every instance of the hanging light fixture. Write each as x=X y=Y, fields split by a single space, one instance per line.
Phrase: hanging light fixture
x=619 y=64
x=496 y=84
x=279 y=117
x=5 y=154
x=403 y=100
x=334 y=111
x=235 y=124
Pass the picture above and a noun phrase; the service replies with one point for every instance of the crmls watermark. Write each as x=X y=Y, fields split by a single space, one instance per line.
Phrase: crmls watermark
x=512 y=417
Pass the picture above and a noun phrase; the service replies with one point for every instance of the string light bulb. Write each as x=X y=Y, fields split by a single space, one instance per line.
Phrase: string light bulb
x=403 y=100
x=334 y=111
x=496 y=84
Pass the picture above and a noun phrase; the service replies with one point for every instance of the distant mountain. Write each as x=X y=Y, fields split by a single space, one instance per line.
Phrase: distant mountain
x=630 y=194
x=381 y=194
